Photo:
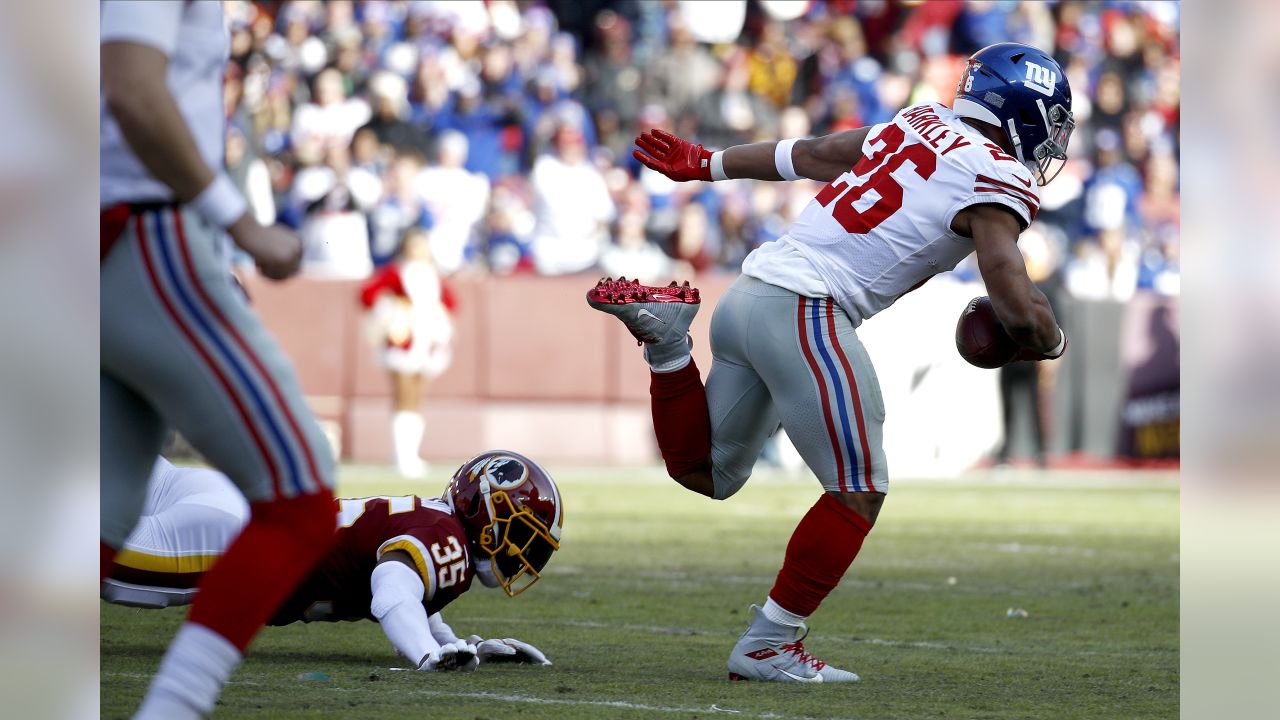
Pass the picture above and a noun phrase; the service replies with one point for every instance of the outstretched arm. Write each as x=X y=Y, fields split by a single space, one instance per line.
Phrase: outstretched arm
x=822 y=158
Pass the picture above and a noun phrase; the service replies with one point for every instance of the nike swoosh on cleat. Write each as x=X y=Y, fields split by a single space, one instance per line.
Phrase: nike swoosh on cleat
x=815 y=678
x=642 y=312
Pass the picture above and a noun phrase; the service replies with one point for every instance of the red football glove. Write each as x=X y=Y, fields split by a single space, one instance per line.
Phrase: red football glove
x=1026 y=353
x=677 y=159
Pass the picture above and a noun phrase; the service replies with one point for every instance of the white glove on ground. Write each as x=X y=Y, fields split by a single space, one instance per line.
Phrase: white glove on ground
x=507 y=650
x=461 y=656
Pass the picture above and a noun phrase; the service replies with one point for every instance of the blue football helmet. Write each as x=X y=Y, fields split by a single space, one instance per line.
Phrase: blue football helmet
x=1024 y=92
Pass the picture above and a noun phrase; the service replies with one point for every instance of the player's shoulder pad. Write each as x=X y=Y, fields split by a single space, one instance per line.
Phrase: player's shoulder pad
x=927 y=108
x=1001 y=179
x=937 y=126
x=1005 y=169
x=436 y=506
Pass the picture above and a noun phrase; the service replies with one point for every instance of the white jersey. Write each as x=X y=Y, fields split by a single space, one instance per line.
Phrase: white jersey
x=884 y=227
x=194 y=37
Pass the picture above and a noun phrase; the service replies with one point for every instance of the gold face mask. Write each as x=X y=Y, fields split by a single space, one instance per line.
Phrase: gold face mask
x=517 y=543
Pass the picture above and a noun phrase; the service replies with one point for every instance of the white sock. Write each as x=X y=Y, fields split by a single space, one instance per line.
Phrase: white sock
x=780 y=615
x=669 y=357
x=192 y=673
x=406 y=436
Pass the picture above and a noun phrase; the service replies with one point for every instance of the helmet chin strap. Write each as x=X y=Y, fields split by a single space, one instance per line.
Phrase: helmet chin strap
x=1016 y=141
x=486 y=494
x=1032 y=165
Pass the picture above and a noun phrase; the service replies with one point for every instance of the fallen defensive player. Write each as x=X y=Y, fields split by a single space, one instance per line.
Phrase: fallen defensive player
x=398 y=560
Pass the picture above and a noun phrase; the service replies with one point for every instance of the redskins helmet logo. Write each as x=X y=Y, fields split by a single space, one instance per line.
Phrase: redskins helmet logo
x=502 y=472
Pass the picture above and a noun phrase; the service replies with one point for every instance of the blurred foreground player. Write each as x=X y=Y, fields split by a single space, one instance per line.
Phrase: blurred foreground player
x=906 y=200
x=180 y=347
x=397 y=560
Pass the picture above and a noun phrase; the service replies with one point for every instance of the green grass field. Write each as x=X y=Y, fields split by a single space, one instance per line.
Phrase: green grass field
x=641 y=606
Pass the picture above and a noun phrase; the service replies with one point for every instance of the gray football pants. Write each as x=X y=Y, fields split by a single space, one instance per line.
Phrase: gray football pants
x=182 y=349
x=781 y=357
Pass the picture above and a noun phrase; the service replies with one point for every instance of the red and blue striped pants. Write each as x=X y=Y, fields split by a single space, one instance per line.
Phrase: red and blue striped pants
x=181 y=349
x=781 y=358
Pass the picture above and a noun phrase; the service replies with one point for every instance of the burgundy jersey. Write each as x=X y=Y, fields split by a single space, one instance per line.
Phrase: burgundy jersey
x=425 y=529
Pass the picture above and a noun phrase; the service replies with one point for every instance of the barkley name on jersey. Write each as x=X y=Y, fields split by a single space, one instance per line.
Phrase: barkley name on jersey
x=883 y=228
x=426 y=529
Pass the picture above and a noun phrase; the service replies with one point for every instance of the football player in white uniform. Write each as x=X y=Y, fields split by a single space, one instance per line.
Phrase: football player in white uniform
x=397 y=560
x=180 y=348
x=905 y=200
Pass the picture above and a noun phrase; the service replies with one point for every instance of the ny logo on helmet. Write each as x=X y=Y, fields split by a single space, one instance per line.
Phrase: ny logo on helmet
x=1041 y=78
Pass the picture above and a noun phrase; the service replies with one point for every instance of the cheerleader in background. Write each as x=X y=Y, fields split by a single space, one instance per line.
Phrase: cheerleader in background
x=409 y=309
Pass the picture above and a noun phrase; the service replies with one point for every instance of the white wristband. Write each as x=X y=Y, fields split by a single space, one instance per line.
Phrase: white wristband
x=220 y=202
x=1062 y=345
x=782 y=159
x=717 y=166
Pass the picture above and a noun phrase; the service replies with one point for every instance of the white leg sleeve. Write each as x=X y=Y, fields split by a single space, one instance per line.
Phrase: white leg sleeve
x=397 y=604
x=441 y=631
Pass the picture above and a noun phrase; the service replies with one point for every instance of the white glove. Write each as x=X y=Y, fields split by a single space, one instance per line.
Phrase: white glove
x=507 y=650
x=461 y=656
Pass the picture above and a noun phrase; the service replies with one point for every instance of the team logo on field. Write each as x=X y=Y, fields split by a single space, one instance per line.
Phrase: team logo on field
x=502 y=472
x=1041 y=79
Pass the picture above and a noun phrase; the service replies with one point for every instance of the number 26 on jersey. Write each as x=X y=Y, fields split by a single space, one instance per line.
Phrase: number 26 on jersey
x=880 y=165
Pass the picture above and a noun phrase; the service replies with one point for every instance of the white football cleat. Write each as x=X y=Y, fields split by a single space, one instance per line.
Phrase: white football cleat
x=771 y=652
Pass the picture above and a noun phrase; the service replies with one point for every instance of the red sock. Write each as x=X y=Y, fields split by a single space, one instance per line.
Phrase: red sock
x=283 y=541
x=681 y=420
x=822 y=547
x=106 y=558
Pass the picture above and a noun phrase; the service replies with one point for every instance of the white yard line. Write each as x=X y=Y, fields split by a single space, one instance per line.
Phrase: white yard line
x=616 y=704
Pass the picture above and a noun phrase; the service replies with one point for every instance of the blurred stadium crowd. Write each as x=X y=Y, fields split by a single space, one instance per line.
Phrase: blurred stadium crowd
x=505 y=127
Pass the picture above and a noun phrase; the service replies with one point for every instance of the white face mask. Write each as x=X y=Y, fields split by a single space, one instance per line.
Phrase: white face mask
x=487 y=574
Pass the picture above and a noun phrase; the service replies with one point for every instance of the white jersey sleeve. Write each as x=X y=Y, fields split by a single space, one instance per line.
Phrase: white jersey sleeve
x=1000 y=180
x=154 y=24
x=883 y=227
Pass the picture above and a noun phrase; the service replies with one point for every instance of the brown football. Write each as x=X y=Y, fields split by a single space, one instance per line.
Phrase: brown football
x=980 y=338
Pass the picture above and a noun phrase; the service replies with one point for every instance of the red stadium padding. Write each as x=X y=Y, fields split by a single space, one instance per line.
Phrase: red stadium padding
x=532 y=367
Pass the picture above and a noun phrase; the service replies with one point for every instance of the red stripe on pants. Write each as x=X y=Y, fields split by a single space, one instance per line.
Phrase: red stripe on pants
x=253 y=357
x=204 y=355
x=822 y=392
x=853 y=393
